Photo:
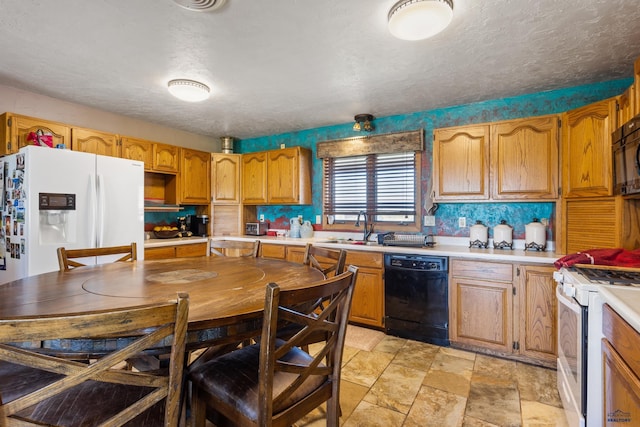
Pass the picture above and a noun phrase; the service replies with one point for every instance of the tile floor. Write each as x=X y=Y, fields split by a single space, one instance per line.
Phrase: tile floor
x=407 y=383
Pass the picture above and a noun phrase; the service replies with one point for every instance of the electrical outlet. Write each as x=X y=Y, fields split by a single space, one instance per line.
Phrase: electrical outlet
x=318 y=219
x=429 y=221
x=462 y=222
x=261 y=217
x=282 y=146
x=544 y=221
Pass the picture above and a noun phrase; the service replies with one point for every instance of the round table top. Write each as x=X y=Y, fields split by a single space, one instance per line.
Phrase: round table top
x=218 y=287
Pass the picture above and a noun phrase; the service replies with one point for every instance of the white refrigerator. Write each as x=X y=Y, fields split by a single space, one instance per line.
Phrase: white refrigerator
x=55 y=197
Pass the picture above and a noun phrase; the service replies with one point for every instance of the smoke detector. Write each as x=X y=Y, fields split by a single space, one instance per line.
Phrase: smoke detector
x=200 y=5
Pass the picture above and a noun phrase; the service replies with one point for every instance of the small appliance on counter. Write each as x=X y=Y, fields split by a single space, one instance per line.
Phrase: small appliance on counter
x=256 y=228
x=198 y=224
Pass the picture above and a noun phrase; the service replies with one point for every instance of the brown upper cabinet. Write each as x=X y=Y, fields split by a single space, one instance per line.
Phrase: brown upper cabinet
x=626 y=105
x=510 y=160
x=94 y=141
x=586 y=150
x=165 y=158
x=138 y=149
x=225 y=178
x=277 y=177
x=195 y=177
x=636 y=86
x=15 y=130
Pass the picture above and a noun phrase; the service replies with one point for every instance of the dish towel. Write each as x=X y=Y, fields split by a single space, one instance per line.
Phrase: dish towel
x=615 y=257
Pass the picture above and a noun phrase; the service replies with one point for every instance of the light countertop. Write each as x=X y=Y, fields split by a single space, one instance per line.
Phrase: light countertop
x=625 y=300
x=154 y=243
x=451 y=248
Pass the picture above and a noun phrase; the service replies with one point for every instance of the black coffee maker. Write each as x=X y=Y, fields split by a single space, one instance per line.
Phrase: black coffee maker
x=198 y=224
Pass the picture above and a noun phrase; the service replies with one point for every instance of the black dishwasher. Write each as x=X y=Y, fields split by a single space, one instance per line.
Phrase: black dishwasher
x=416 y=297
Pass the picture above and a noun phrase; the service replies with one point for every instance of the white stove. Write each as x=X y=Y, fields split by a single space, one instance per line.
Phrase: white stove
x=579 y=328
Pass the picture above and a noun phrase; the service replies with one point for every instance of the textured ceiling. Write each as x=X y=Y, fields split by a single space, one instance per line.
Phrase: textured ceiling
x=283 y=65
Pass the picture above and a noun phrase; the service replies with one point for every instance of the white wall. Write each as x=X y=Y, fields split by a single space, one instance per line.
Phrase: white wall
x=31 y=104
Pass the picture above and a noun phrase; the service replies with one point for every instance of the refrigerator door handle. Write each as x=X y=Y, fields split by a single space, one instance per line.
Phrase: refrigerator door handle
x=101 y=210
x=93 y=207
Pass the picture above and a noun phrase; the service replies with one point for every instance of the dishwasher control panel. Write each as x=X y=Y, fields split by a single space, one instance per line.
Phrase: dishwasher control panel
x=416 y=262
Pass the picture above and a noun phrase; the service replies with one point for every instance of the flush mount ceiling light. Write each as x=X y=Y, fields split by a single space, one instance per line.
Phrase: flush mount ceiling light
x=188 y=90
x=419 y=19
x=200 y=5
x=363 y=122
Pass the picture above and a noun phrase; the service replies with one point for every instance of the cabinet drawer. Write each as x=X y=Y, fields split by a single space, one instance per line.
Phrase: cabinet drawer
x=622 y=337
x=273 y=251
x=161 y=252
x=482 y=270
x=198 y=249
x=364 y=259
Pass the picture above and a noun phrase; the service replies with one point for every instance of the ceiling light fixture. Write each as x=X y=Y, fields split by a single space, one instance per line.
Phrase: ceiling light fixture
x=419 y=19
x=200 y=5
x=188 y=90
x=363 y=122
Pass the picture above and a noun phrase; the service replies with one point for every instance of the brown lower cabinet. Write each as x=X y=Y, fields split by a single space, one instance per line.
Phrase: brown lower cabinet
x=503 y=309
x=621 y=371
x=176 y=251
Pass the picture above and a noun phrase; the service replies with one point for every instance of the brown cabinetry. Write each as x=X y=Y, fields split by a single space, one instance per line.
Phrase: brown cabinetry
x=367 y=306
x=586 y=150
x=15 y=130
x=621 y=370
x=277 y=177
x=195 y=177
x=95 y=142
x=510 y=160
x=225 y=178
x=177 y=251
x=165 y=158
x=503 y=309
x=626 y=106
x=137 y=149
x=273 y=251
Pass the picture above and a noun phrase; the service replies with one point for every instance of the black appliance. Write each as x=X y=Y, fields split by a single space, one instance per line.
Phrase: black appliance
x=198 y=224
x=417 y=297
x=626 y=157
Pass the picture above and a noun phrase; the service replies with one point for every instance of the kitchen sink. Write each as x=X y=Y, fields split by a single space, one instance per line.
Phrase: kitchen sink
x=349 y=242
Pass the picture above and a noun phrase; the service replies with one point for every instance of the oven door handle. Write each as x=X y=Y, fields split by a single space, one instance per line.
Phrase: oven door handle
x=567 y=301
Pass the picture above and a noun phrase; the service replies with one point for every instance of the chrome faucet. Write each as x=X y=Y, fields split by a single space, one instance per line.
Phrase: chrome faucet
x=368 y=228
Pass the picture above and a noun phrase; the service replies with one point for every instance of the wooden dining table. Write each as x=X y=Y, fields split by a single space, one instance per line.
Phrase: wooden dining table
x=226 y=294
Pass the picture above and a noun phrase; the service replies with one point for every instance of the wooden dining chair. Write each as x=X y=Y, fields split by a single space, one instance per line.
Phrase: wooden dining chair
x=274 y=382
x=235 y=248
x=329 y=261
x=67 y=257
x=37 y=388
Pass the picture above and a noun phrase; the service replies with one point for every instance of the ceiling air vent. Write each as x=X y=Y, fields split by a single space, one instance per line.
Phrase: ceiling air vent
x=200 y=5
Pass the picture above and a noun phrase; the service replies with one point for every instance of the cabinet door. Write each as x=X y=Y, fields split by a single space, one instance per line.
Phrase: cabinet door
x=96 y=142
x=254 y=178
x=538 y=316
x=162 y=252
x=621 y=394
x=137 y=149
x=225 y=178
x=16 y=130
x=636 y=87
x=586 y=150
x=524 y=159
x=283 y=176
x=195 y=177
x=295 y=254
x=461 y=163
x=367 y=306
x=626 y=106
x=227 y=220
x=273 y=251
x=481 y=313
x=165 y=158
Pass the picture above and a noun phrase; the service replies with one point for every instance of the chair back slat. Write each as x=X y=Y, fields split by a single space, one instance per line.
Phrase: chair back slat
x=237 y=248
x=138 y=329
x=330 y=320
x=67 y=258
x=329 y=261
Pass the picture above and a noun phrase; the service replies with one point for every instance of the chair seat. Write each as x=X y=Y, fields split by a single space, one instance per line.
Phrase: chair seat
x=18 y=380
x=233 y=379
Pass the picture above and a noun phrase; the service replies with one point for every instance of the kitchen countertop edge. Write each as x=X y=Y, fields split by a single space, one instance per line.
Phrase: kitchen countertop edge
x=458 y=251
x=156 y=243
x=625 y=301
